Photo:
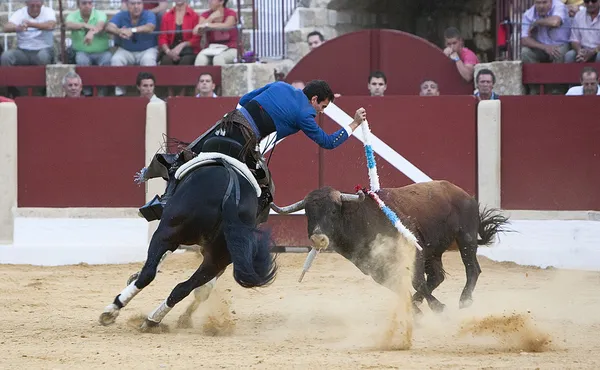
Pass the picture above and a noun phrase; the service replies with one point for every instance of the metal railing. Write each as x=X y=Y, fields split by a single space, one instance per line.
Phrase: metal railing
x=509 y=17
x=269 y=20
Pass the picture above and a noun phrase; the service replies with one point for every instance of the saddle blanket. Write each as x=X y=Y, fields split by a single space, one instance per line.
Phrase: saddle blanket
x=207 y=158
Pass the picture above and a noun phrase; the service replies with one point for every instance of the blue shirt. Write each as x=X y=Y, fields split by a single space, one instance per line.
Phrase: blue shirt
x=143 y=41
x=291 y=112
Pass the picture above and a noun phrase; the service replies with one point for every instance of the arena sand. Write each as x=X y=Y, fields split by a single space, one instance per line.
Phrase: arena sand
x=337 y=318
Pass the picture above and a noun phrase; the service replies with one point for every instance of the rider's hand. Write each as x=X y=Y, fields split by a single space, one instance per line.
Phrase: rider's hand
x=359 y=117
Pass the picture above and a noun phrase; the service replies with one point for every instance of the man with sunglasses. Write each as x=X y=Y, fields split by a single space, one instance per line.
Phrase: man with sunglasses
x=585 y=34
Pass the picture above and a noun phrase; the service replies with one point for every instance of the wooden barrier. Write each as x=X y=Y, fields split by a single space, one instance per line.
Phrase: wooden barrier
x=30 y=77
x=554 y=73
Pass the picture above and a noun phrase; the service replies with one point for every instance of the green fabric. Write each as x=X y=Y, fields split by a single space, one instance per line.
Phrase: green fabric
x=100 y=42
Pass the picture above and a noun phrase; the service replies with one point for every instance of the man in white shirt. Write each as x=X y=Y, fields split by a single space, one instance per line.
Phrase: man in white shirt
x=34 y=25
x=205 y=88
x=145 y=84
x=589 y=83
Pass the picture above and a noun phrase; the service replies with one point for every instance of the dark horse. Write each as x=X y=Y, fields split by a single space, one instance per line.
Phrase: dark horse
x=216 y=207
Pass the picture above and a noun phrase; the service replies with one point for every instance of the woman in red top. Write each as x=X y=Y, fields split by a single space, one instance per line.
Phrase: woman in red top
x=179 y=45
x=221 y=46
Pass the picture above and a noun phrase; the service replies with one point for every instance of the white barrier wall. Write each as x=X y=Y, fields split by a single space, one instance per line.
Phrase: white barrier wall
x=8 y=170
x=156 y=127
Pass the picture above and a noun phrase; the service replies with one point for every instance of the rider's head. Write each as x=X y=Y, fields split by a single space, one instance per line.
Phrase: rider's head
x=319 y=93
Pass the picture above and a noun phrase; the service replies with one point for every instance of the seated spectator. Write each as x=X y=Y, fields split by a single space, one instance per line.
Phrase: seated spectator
x=158 y=7
x=429 y=88
x=34 y=25
x=572 y=6
x=315 y=39
x=205 y=88
x=179 y=47
x=298 y=85
x=377 y=83
x=145 y=84
x=90 y=42
x=222 y=45
x=72 y=85
x=136 y=46
x=585 y=35
x=455 y=49
x=545 y=32
x=589 y=83
x=485 y=81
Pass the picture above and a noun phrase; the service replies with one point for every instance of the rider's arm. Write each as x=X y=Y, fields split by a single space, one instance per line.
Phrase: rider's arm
x=309 y=126
x=249 y=96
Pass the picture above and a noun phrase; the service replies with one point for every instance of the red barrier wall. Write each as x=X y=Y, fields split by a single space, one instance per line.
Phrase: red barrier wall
x=81 y=154
x=550 y=153
x=436 y=134
x=345 y=62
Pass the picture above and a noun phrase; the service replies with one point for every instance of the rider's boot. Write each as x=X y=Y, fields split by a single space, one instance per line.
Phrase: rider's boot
x=153 y=209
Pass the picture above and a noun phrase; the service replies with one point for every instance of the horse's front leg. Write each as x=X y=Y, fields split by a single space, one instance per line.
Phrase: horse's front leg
x=135 y=275
x=206 y=273
x=156 y=251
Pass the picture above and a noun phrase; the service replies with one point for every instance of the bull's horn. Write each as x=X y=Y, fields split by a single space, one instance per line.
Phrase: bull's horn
x=353 y=197
x=289 y=209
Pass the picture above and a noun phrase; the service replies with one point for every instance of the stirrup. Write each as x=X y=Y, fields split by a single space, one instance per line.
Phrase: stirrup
x=152 y=210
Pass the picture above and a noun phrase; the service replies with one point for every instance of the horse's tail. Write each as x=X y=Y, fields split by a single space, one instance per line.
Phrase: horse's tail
x=491 y=222
x=249 y=248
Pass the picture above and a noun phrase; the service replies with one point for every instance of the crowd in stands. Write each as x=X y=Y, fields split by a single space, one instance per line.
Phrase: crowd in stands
x=148 y=33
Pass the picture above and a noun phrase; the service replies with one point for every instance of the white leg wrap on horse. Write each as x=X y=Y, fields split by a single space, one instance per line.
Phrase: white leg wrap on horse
x=160 y=312
x=128 y=293
x=202 y=293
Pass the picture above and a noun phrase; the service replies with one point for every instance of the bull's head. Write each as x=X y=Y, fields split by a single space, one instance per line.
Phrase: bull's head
x=323 y=209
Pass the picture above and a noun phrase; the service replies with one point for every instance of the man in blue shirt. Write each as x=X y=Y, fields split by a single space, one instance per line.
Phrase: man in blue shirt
x=275 y=108
x=132 y=29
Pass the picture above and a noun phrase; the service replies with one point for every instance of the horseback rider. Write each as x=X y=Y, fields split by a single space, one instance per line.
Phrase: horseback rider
x=277 y=107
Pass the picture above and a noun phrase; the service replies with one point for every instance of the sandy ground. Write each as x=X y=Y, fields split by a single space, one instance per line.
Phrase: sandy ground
x=522 y=317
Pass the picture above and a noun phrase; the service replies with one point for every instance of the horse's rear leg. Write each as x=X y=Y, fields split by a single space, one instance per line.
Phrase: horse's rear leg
x=156 y=252
x=467 y=245
x=207 y=271
x=421 y=287
x=435 y=276
x=201 y=294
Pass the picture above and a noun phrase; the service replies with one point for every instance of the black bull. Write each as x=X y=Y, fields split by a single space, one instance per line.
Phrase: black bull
x=438 y=213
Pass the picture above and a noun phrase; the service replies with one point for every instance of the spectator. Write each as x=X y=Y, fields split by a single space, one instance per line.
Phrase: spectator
x=136 y=46
x=180 y=47
x=298 y=84
x=145 y=84
x=90 y=42
x=34 y=25
x=572 y=6
x=429 y=88
x=464 y=58
x=377 y=83
x=72 y=85
x=315 y=39
x=485 y=81
x=158 y=7
x=545 y=32
x=205 y=88
x=589 y=83
x=219 y=27
x=585 y=35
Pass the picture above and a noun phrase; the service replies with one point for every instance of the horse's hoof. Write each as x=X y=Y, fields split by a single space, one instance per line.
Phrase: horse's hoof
x=109 y=316
x=149 y=326
x=438 y=307
x=132 y=278
x=464 y=303
x=185 y=322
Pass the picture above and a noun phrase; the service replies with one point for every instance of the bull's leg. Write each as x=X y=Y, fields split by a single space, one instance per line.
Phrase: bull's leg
x=421 y=287
x=206 y=272
x=158 y=247
x=201 y=294
x=467 y=245
x=435 y=276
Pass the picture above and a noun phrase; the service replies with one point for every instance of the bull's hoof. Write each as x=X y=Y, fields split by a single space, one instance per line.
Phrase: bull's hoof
x=109 y=316
x=464 y=303
x=132 y=278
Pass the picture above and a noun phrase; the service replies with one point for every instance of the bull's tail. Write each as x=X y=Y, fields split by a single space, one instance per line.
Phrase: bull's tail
x=249 y=247
x=491 y=222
